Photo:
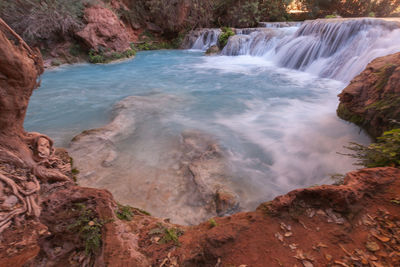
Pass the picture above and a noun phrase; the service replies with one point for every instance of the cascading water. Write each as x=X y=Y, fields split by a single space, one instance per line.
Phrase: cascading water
x=332 y=48
x=175 y=129
x=202 y=39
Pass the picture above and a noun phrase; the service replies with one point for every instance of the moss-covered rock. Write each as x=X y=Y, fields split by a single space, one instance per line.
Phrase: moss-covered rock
x=372 y=99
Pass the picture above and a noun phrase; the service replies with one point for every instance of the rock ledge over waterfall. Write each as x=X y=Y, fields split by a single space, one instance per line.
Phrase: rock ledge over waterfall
x=372 y=100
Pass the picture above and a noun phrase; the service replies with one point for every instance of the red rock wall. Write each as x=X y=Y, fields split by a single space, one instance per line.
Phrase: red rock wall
x=372 y=99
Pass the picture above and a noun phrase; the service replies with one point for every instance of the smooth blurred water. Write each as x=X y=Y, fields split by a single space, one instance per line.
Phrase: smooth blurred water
x=278 y=126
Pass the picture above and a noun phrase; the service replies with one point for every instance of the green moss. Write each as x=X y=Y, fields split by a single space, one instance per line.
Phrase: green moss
x=224 y=36
x=88 y=228
x=75 y=171
x=124 y=212
x=143 y=212
x=344 y=113
x=154 y=45
x=383 y=75
x=167 y=234
x=212 y=222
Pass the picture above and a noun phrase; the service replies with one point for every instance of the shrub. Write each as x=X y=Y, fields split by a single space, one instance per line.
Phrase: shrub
x=96 y=57
x=224 y=36
x=168 y=234
x=88 y=227
x=124 y=213
x=37 y=20
x=385 y=152
x=101 y=57
x=212 y=222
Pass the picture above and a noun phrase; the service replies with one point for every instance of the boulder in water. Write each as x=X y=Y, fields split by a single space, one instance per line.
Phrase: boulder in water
x=213 y=50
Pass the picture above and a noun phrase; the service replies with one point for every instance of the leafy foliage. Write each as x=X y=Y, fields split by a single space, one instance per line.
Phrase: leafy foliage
x=385 y=152
x=167 y=234
x=88 y=227
x=224 y=36
x=124 y=213
x=99 y=57
x=212 y=222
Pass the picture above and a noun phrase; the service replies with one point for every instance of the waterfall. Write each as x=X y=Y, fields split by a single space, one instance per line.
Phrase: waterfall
x=201 y=39
x=338 y=48
x=332 y=48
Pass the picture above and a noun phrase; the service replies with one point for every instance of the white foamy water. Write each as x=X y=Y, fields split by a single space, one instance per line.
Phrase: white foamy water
x=332 y=48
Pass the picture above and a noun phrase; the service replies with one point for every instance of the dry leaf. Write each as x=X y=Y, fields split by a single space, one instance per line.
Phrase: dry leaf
x=380 y=237
x=321 y=245
x=328 y=257
x=341 y=263
x=307 y=264
x=372 y=246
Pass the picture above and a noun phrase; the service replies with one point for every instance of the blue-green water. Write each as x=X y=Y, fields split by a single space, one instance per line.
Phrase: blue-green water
x=277 y=127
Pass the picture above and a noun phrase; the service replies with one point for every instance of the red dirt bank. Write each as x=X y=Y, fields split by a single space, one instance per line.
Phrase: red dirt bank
x=355 y=224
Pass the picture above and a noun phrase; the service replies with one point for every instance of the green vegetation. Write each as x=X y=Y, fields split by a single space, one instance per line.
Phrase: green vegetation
x=143 y=212
x=167 y=234
x=212 y=222
x=383 y=76
x=124 y=212
x=103 y=57
x=224 y=36
x=88 y=228
x=344 y=113
x=75 y=171
x=332 y=16
x=75 y=50
x=43 y=21
x=385 y=152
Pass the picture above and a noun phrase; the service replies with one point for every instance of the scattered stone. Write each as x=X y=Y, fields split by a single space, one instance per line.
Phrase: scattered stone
x=334 y=217
x=285 y=227
x=279 y=236
x=310 y=212
x=288 y=234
